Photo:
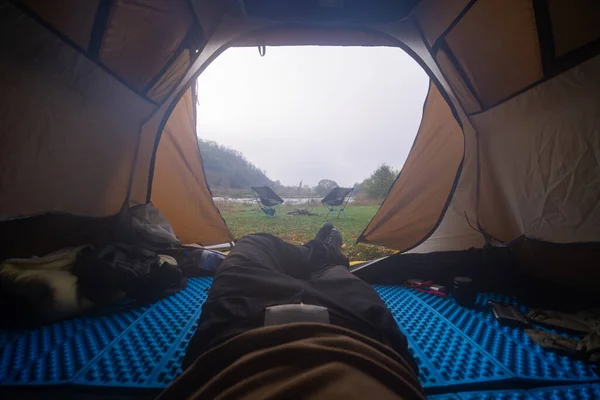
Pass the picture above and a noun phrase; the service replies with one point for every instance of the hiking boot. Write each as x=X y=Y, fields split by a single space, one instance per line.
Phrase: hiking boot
x=335 y=239
x=323 y=232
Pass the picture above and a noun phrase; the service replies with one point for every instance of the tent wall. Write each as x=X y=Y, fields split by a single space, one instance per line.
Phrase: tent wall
x=531 y=133
x=540 y=168
x=172 y=75
x=435 y=16
x=76 y=24
x=444 y=226
x=573 y=25
x=78 y=87
x=69 y=129
x=417 y=199
x=134 y=40
x=178 y=170
x=455 y=226
x=147 y=31
x=495 y=60
x=153 y=127
x=166 y=181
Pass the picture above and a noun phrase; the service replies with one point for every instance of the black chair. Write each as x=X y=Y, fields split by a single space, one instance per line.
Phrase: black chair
x=267 y=200
x=337 y=200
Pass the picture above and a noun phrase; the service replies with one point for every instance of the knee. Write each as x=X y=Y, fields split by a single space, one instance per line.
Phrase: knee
x=250 y=241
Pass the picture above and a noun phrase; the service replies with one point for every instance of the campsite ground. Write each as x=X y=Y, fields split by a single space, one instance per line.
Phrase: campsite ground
x=242 y=219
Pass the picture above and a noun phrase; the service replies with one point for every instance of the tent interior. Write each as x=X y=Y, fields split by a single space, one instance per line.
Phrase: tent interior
x=502 y=182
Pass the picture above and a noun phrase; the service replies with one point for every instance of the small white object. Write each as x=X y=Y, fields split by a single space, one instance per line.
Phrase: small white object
x=290 y=313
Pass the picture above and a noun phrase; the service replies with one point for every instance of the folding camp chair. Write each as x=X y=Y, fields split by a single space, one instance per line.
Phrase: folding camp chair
x=267 y=200
x=337 y=198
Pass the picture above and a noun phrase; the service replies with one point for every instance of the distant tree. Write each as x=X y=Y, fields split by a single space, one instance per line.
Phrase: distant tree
x=324 y=186
x=378 y=184
x=359 y=187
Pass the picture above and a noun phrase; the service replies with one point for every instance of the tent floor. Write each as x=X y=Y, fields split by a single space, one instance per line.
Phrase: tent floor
x=460 y=352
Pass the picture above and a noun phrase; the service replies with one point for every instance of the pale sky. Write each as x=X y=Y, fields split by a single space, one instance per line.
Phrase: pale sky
x=308 y=113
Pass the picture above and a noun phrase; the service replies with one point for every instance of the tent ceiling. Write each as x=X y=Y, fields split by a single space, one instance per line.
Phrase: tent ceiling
x=481 y=49
x=566 y=36
x=76 y=25
x=143 y=43
x=330 y=11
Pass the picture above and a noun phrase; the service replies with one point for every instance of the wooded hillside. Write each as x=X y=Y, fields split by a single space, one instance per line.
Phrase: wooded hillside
x=226 y=168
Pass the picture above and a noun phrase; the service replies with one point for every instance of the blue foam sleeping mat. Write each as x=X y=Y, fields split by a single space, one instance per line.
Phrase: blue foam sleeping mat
x=458 y=350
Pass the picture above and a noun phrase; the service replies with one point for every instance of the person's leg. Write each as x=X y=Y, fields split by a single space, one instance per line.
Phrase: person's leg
x=261 y=271
x=269 y=252
x=354 y=304
x=252 y=277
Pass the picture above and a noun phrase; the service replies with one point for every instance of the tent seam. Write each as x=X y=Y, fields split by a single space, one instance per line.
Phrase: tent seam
x=99 y=27
x=461 y=72
x=184 y=45
x=442 y=38
x=36 y=17
x=570 y=61
x=194 y=102
x=478 y=159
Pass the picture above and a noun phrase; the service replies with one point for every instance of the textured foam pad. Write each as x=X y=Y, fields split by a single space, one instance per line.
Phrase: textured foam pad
x=457 y=346
x=575 y=392
x=143 y=347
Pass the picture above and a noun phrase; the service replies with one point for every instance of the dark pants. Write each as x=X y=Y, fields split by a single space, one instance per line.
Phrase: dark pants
x=263 y=270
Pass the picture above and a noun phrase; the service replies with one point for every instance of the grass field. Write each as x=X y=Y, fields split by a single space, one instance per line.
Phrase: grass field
x=242 y=219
